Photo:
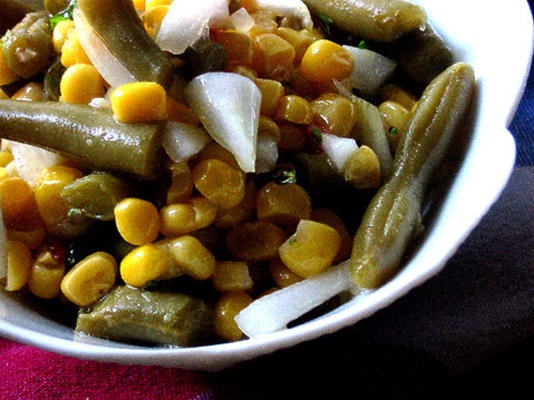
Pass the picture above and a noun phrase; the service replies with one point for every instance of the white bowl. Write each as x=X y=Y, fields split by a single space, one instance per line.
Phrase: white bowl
x=496 y=38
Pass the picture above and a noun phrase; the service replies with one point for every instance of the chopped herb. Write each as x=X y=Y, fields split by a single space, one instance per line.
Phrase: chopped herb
x=325 y=23
x=292 y=241
x=4 y=38
x=285 y=176
x=393 y=131
x=362 y=45
x=73 y=212
x=317 y=135
x=64 y=15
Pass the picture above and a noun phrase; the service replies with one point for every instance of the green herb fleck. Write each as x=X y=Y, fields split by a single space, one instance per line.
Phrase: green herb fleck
x=285 y=176
x=5 y=37
x=362 y=45
x=292 y=241
x=393 y=131
x=325 y=23
x=74 y=212
x=317 y=135
x=64 y=15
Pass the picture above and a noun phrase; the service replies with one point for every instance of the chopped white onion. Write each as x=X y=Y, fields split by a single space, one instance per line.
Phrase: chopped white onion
x=274 y=311
x=100 y=102
x=31 y=160
x=338 y=149
x=101 y=57
x=183 y=141
x=288 y=8
x=228 y=105
x=370 y=71
x=241 y=20
x=187 y=21
x=3 y=248
x=342 y=89
x=266 y=154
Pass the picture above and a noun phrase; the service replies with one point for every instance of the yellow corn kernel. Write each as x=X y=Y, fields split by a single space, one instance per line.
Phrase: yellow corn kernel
x=144 y=264
x=72 y=51
x=334 y=113
x=293 y=137
x=90 y=279
x=311 y=249
x=153 y=17
x=181 y=184
x=284 y=205
x=330 y=218
x=264 y=21
x=238 y=46
x=183 y=218
x=3 y=94
x=139 y=5
x=137 y=220
x=139 y=102
x=33 y=237
x=300 y=40
x=32 y=91
x=61 y=32
x=5 y=158
x=325 y=60
x=294 y=109
x=47 y=271
x=231 y=275
x=271 y=93
x=80 y=84
x=227 y=307
x=19 y=262
x=282 y=275
x=255 y=241
x=395 y=117
x=177 y=111
x=267 y=127
x=362 y=169
x=6 y=76
x=219 y=182
x=191 y=257
x=17 y=203
x=216 y=151
x=52 y=208
x=149 y=4
x=245 y=71
x=304 y=87
x=242 y=212
x=395 y=93
x=277 y=57
x=3 y=173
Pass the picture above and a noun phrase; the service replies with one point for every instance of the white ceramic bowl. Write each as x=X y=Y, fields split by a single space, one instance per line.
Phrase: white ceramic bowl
x=496 y=38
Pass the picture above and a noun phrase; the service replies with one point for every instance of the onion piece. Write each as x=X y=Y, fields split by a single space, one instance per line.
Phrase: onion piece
x=338 y=149
x=101 y=57
x=288 y=8
x=241 y=20
x=228 y=105
x=371 y=70
x=187 y=21
x=183 y=141
x=274 y=311
x=3 y=248
x=31 y=160
x=266 y=154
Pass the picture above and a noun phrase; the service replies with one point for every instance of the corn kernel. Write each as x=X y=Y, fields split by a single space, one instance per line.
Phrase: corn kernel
x=255 y=241
x=181 y=184
x=80 y=84
x=395 y=93
x=325 y=60
x=139 y=5
x=227 y=307
x=242 y=212
x=72 y=51
x=17 y=203
x=271 y=93
x=183 y=218
x=362 y=169
x=144 y=264
x=277 y=57
x=5 y=158
x=219 y=182
x=139 y=102
x=90 y=279
x=395 y=117
x=179 y=112
x=311 y=249
x=245 y=71
x=294 y=109
x=284 y=205
x=231 y=275
x=282 y=275
x=32 y=237
x=137 y=220
x=32 y=91
x=267 y=127
x=3 y=94
x=293 y=138
x=149 y=4
x=61 y=31
x=191 y=257
x=153 y=18
x=264 y=22
x=216 y=151
x=300 y=40
x=330 y=218
x=304 y=87
x=47 y=270
x=238 y=46
x=19 y=262
x=6 y=76
x=334 y=114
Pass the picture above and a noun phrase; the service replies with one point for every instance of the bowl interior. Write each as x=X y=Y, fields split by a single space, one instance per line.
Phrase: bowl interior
x=476 y=171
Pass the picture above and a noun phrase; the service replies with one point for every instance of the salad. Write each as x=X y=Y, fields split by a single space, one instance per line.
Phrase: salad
x=180 y=173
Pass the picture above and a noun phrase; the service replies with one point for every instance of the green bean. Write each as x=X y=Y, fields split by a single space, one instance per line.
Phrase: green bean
x=129 y=314
x=95 y=195
x=89 y=135
x=205 y=56
x=119 y=26
x=52 y=79
x=14 y=10
x=55 y=6
x=378 y=20
x=28 y=46
x=394 y=212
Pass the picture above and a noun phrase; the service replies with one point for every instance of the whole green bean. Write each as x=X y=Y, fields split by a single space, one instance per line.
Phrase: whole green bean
x=28 y=46
x=394 y=212
x=378 y=20
x=55 y=6
x=119 y=26
x=91 y=136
